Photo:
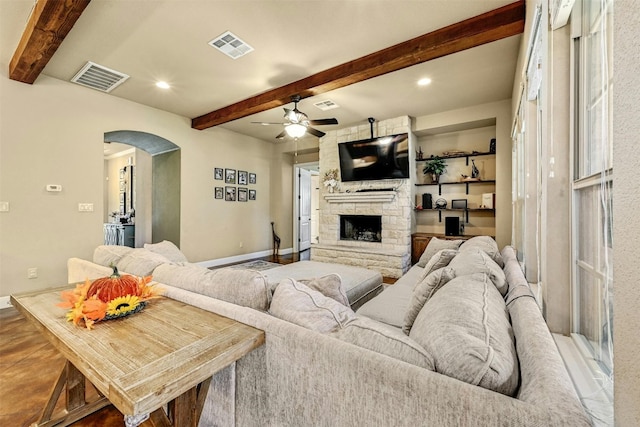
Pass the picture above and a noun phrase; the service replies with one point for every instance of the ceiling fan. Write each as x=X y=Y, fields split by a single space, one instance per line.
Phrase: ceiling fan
x=297 y=123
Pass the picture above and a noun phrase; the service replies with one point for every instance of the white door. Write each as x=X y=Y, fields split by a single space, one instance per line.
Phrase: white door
x=304 y=213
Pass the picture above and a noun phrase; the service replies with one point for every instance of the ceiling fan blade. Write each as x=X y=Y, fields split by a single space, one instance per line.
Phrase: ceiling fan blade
x=321 y=122
x=315 y=132
x=268 y=123
x=281 y=135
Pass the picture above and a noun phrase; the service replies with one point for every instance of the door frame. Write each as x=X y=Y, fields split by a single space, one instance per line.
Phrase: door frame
x=313 y=166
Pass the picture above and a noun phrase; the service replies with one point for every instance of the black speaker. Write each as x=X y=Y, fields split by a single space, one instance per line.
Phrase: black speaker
x=451 y=226
x=427 y=202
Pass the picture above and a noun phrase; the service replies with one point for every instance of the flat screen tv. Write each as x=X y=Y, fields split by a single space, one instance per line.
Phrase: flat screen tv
x=385 y=157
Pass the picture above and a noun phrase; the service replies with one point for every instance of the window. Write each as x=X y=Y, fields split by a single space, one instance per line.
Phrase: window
x=593 y=182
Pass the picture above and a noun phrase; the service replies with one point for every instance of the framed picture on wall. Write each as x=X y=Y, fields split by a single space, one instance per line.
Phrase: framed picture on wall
x=229 y=176
x=242 y=177
x=217 y=173
x=219 y=193
x=252 y=178
x=242 y=194
x=230 y=194
x=252 y=194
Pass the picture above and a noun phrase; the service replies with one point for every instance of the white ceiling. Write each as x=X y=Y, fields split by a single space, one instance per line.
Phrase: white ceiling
x=167 y=40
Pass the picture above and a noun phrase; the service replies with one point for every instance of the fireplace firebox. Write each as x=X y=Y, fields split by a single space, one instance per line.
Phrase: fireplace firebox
x=364 y=228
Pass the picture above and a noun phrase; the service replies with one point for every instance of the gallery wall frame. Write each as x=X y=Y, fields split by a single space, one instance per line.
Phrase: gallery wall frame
x=229 y=176
x=218 y=173
x=219 y=193
x=230 y=194
x=242 y=194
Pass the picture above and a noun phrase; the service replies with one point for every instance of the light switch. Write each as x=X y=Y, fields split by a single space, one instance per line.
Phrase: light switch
x=85 y=207
x=4 y=206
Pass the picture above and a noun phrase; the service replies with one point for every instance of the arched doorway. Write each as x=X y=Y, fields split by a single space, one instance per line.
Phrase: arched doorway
x=154 y=185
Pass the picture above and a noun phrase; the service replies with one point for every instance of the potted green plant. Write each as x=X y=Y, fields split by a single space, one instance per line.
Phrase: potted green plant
x=435 y=166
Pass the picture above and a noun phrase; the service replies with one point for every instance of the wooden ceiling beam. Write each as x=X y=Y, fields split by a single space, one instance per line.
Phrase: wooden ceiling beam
x=497 y=24
x=48 y=25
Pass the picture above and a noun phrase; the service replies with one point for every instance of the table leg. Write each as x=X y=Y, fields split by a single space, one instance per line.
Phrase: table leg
x=73 y=382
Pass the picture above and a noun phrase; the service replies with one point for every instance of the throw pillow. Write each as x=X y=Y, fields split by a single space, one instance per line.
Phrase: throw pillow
x=140 y=262
x=329 y=286
x=168 y=250
x=297 y=303
x=423 y=292
x=108 y=255
x=434 y=246
x=486 y=244
x=474 y=260
x=439 y=260
x=246 y=288
x=465 y=327
x=384 y=339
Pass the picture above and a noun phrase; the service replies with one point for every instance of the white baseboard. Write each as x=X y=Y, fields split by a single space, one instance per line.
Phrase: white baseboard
x=4 y=302
x=240 y=258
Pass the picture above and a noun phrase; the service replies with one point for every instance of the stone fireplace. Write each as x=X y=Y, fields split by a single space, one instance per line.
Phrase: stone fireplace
x=363 y=228
x=380 y=239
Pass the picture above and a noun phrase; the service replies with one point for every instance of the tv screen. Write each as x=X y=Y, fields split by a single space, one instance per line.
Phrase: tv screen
x=385 y=157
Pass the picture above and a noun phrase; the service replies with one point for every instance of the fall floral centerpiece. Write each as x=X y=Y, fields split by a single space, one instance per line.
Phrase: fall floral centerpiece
x=107 y=298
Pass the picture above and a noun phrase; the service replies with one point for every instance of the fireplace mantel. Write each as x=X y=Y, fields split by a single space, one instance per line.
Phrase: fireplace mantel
x=361 y=197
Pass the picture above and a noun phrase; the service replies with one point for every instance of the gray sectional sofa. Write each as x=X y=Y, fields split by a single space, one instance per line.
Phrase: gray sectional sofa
x=459 y=340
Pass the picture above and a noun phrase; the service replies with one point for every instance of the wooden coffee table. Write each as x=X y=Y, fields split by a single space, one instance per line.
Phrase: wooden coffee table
x=162 y=356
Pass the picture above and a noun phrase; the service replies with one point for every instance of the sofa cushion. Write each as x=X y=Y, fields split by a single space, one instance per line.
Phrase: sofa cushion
x=439 y=260
x=486 y=244
x=434 y=246
x=384 y=339
x=465 y=327
x=329 y=286
x=140 y=262
x=297 y=303
x=423 y=292
x=474 y=260
x=108 y=255
x=391 y=304
x=168 y=250
x=247 y=288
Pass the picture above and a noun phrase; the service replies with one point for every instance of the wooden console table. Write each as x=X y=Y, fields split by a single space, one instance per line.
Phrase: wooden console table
x=165 y=354
x=419 y=242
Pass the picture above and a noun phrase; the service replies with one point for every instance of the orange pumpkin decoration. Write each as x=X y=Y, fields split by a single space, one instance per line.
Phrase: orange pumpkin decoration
x=114 y=286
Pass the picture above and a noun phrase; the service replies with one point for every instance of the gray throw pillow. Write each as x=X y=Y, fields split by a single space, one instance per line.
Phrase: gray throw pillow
x=465 y=327
x=434 y=246
x=423 y=292
x=168 y=250
x=140 y=262
x=329 y=286
x=486 y=244
x=384 y=339
x=297 y=303
x=109 y=255
x=474 y=260
x=439 y=260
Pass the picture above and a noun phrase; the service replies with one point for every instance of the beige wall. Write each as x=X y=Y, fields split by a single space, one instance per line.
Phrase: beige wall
x=52 y=133
x=626 y=228
x=501 y=111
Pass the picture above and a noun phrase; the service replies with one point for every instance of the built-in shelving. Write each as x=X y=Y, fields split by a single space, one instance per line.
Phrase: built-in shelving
x=440 y=184
x=466 y=211
x=457 y=156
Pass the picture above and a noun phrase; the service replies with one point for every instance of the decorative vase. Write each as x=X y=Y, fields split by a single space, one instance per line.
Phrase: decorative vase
x=435 y=178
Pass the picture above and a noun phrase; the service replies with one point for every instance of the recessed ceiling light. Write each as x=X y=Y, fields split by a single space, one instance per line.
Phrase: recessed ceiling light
x=424 y=82
x=163 y=85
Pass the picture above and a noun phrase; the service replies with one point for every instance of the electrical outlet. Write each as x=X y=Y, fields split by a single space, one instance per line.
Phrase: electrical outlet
x=4 y=206
x=241 y=244
x=32 y=273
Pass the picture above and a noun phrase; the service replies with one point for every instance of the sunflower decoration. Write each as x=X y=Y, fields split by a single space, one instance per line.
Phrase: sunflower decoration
x=107 y=298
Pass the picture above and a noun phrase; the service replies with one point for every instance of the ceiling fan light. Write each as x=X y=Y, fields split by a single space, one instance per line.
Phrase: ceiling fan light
x=295 y=130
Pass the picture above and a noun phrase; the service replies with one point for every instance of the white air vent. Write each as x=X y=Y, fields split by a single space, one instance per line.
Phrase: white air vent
x=326 y=105
x=98 y=77
x=231 y=45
